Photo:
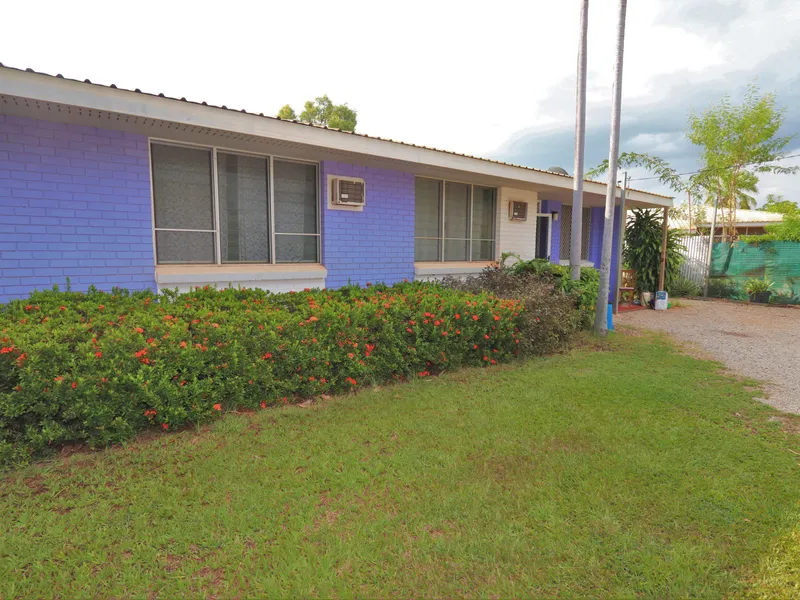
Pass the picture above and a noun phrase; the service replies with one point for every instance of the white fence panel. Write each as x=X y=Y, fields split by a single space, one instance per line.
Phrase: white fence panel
x=694 y=266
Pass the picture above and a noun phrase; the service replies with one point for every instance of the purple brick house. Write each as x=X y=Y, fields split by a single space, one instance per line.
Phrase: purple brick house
x=114 y=187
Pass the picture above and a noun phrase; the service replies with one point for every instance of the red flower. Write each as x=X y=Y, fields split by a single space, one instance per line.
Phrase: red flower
x=150 y=413
x=29 y=307
x=140 y=353
x=444 y=333
x=263 y=404
x=139 y=330
x=424 y=373
x=217 y=407
x=474 y=317
x=437 y=323
x=74 y=384
x=486 y=337
x=98 y=354
x=409 y=330
x=475 y=347
x=497 y=317
x=62 y=308
x=267 y=356
x=183 y=344
x=101 y=307
x=165 y=426
x=493 y=361
x=458 y=316
x=350 y=354
x=351 y=381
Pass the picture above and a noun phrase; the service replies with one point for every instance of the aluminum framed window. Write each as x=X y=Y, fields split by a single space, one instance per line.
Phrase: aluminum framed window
x=454 y=221
x=219 y=206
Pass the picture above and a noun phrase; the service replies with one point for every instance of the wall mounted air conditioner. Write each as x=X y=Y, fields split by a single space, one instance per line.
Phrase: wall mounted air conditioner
x=348 y=191
x=518 y=211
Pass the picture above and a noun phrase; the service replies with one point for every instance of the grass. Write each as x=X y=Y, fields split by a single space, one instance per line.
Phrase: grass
x=621 y=470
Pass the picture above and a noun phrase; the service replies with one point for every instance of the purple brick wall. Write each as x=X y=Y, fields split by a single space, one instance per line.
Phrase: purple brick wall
x=596 y=243
x=74 y=202
x=377 y=244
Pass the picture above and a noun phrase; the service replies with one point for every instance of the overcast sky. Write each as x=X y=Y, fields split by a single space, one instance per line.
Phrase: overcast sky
x=494 y=79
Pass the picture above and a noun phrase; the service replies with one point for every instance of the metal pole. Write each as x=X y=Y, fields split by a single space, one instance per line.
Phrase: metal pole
x=620 y=239
x=662 y=272
x=601 y=316
x=710 y=245
x=580 y=141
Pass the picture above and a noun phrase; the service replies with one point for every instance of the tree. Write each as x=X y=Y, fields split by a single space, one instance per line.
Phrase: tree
x=777 y=204
x=287 y=113
x=738 y=141
x=642 y=251
x=321 y=111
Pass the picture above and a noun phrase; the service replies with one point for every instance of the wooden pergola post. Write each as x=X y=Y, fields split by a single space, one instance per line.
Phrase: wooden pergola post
x=663 y=271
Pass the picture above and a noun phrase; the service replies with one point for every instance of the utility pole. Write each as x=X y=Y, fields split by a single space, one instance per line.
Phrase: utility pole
x=601 y=312
x=580 y=142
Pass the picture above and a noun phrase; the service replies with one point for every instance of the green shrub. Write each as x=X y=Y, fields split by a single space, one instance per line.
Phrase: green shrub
x=99 y=367
x=723 y=287
x=642 y=251
x=584 y=290
x=757 y=286
x=682 y=287
x=552 y=315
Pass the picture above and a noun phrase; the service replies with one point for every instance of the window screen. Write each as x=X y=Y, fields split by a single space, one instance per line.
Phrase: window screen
x=456 y=221
x=566 y=233
x=295 y=212
x=243 y=208
x=427 y=220
x=453 y=221
x=483 y=215
x=189 y=215
x=183 y=204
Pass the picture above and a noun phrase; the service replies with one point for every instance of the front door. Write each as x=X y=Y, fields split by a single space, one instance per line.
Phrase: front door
x=543 y=226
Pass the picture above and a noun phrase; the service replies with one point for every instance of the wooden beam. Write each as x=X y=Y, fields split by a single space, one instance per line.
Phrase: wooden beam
x=663 y=271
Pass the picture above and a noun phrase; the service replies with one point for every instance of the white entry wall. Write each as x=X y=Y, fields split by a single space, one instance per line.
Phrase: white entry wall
x=516 y=236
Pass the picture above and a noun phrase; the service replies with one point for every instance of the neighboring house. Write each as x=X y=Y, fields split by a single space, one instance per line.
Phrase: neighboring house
x=748 y=222
x=115 y=187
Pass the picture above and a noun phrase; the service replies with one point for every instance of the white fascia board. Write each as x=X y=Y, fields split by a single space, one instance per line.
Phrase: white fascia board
x=46 y=88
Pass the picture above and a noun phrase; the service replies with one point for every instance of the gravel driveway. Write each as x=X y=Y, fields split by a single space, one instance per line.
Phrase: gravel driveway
x=756 y=341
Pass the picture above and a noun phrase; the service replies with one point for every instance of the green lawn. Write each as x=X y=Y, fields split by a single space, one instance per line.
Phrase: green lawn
x=621 y=470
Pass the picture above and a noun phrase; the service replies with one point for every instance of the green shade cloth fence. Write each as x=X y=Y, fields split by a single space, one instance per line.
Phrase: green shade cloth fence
x=733 y=263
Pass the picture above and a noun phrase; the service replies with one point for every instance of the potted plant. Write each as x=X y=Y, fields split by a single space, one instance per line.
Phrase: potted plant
x=759 y=290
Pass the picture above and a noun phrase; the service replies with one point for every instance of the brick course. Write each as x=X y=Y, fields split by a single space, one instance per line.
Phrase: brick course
x=74 y=202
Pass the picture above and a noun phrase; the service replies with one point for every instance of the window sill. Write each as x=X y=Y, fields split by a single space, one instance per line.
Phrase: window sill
x=443 y=269
x=167 y=275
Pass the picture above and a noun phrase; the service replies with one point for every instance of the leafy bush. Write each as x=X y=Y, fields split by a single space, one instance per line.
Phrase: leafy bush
x=723 y=287
x=551 y=317
x=585 y=289
x=685 y=287
x=642 y=251
x=757 y=286
x=98 y=367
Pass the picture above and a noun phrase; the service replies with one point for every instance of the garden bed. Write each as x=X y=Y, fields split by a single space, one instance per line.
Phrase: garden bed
x=98 y=367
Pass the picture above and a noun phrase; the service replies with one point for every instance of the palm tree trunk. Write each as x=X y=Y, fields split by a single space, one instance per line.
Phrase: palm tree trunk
x=601 y=316
x=580 y=140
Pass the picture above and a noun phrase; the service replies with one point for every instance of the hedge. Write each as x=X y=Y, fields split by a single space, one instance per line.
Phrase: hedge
x=98 y=367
